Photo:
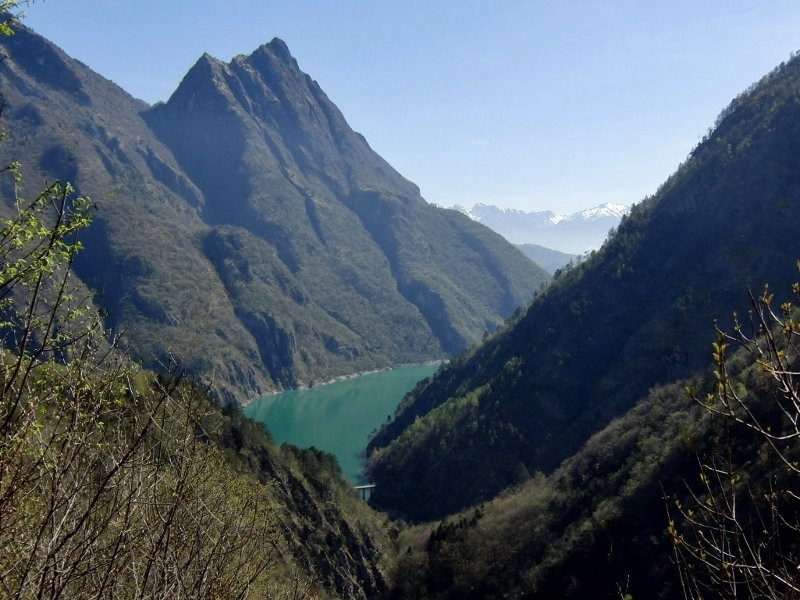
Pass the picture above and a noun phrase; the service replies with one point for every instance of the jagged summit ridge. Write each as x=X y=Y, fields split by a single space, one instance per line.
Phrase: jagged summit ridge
x=263 y=100
x=279 y=48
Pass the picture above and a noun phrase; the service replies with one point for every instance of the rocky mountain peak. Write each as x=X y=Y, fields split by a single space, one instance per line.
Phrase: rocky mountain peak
x=274 y=63
x=262 y=108
x=278 y=48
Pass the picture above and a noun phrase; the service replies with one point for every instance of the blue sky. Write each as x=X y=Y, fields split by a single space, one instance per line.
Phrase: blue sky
x=531 y=105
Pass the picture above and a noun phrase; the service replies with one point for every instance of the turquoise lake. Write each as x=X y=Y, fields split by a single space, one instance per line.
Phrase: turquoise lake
x=338 y=417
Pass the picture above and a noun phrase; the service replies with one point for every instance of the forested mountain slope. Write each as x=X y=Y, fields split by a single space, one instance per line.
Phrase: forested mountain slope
x=593 y=528
x=691 y=494
x=245 y=229
x=638 y=313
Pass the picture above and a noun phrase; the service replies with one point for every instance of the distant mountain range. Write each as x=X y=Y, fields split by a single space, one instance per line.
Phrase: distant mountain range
x=572 y=234
x=244 y=228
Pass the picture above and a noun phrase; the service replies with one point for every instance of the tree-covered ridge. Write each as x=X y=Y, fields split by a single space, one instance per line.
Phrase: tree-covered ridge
x=246 y=229
x=629 y=317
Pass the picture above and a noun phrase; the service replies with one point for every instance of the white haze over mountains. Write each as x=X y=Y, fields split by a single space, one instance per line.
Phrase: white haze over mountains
x=574 y=234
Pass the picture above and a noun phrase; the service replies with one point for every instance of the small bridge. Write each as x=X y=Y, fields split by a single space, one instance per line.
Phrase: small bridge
x=365 y=490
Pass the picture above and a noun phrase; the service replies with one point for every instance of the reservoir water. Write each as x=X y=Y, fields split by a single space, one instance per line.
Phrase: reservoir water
x=338 y=417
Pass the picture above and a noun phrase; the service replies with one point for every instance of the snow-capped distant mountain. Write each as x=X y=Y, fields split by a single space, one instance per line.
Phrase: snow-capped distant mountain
x=614 y=211
x=574 y=233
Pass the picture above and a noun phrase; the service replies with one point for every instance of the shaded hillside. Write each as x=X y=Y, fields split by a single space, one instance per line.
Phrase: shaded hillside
x=677 y=476
x=550 y=260
x=244 y=228
x=592 y=529
x=637 y=313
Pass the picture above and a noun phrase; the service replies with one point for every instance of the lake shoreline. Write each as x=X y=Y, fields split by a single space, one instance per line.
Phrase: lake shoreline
x=338 y=378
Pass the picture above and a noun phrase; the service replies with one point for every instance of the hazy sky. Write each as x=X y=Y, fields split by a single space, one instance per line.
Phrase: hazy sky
x=533 y=105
